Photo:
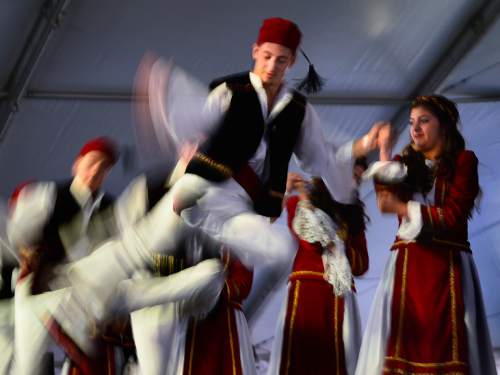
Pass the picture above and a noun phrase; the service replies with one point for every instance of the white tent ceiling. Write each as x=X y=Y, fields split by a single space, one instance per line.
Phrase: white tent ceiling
x=374 y=54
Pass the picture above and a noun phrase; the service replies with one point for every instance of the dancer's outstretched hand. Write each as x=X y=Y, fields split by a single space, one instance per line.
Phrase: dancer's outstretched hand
x=369 y=141
x=384 y=141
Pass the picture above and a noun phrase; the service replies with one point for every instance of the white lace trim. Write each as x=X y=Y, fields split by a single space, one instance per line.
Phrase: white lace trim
x=313 y=225
x=411 y=225
x=386 y=171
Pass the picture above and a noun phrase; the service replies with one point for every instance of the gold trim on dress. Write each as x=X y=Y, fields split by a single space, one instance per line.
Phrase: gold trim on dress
x=109 y=349
x=191 y=350
x=455 y=360
x=228 y=290
x=454 y=333
x=426 y=364
x=292 y=321
x=336 y=332
x=231 y=342
x=306 y=273
x=403 y=300
x=405 y=372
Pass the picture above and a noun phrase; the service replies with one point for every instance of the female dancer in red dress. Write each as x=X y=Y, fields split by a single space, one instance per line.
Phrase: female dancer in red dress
x=428 y=315
x=319 y=329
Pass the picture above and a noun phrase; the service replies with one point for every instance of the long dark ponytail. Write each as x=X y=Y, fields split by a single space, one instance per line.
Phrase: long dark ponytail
x=350 y=216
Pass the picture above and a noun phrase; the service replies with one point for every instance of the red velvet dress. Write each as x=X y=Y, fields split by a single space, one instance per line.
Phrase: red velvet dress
x=212 y=343
x=312 y=336
x=427 y=331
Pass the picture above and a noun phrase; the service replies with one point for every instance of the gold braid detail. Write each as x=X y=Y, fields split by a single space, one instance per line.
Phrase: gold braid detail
x=219 y=167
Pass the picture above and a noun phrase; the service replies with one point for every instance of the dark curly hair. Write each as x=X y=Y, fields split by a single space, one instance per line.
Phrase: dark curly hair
x=351 y=216
x=420 y=178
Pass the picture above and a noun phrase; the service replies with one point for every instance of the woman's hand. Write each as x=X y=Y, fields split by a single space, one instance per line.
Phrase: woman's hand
x=384 y=141
x=389 y=203
x=369 y=141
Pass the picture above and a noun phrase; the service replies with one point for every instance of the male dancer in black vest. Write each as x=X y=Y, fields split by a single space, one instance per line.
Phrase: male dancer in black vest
x=56 y=223
x=236 y=181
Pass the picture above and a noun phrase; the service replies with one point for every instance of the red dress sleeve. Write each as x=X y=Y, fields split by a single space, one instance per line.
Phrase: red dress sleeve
x=459 y=195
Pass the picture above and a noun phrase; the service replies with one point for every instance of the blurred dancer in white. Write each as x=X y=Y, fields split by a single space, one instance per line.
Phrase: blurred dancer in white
x=160 y=329
x=53 y=223
x=163 y=334
x=9 y=263
x=34 y=312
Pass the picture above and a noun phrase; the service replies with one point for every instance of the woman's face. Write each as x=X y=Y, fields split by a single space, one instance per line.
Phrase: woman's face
x=425 y=130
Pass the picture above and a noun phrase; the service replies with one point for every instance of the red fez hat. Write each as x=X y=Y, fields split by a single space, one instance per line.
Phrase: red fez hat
x=280 y=31
x=102 y=144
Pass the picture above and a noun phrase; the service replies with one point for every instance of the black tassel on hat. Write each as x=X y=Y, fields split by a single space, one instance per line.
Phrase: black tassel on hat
x=313 y=83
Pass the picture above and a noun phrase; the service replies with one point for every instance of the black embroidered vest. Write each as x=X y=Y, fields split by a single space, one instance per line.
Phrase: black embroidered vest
x=66 y=209
x=238 y=136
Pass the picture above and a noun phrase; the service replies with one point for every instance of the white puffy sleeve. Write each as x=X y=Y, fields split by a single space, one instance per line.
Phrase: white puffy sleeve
x=411 y=225
x=132 y=203
x=181 y=107
x=30 y=214
x=386 y=171
x=319 y=157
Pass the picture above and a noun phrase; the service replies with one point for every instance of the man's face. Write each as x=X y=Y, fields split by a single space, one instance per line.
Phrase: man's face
x=91 y=169
x=271 y=62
